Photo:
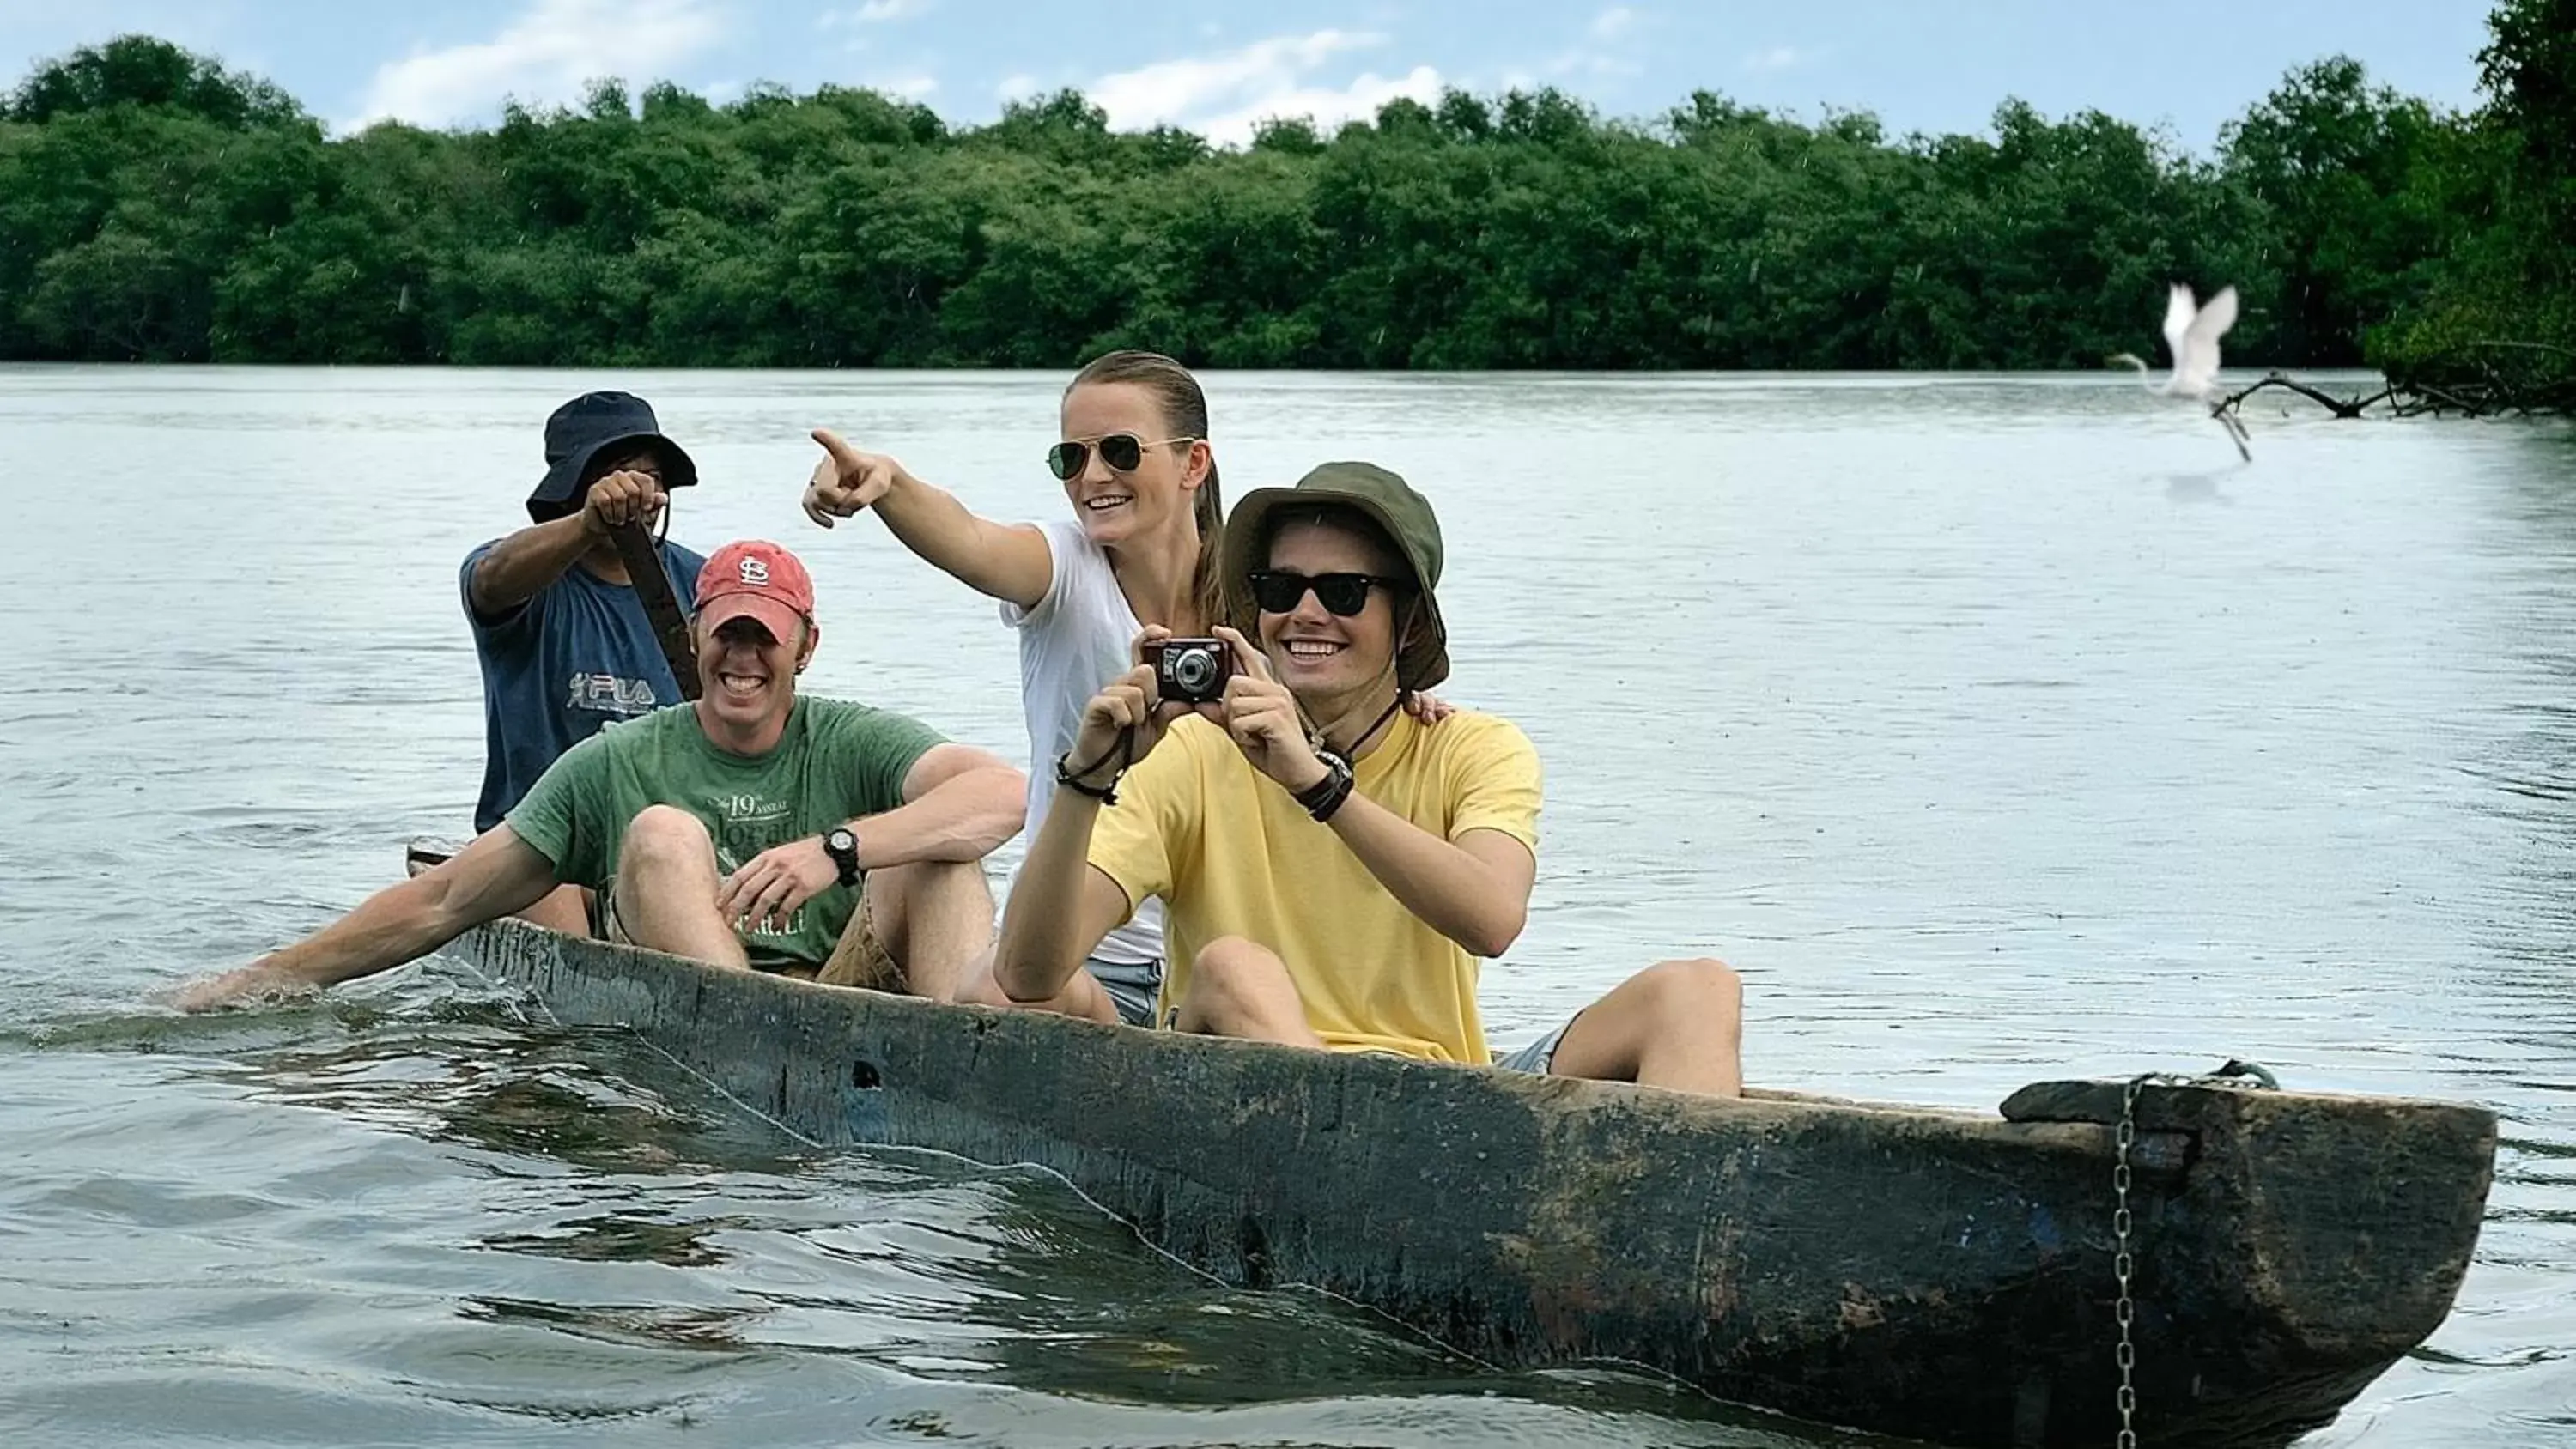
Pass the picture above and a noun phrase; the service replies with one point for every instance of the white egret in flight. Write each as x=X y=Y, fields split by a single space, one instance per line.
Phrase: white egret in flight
x=2192 y=332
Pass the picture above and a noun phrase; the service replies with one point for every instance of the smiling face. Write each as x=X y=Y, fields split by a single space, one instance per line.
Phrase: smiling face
x=747 y=680
x=1150 y=499
x=1329 y=662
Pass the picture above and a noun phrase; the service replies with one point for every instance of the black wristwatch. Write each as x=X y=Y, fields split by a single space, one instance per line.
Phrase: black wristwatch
x=1326 y=795
x=842 y=844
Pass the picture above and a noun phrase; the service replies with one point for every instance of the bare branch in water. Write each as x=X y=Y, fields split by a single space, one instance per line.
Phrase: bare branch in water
x=2340 y=407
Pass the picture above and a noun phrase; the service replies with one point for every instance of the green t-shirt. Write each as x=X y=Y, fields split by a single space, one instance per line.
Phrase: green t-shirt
x=835 y=762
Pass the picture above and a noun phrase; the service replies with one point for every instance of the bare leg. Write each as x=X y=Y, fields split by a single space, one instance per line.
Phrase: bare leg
x=1083 y=996
x=666 y=889
x=565 y=909
x=936 y=920
x=1677 y=1024
x=1238 y=988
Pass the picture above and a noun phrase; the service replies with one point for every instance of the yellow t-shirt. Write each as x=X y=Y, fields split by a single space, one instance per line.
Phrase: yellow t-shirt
x=1231 y=854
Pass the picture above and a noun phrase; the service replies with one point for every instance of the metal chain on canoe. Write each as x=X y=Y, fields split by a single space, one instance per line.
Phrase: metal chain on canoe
x=2232 y=1072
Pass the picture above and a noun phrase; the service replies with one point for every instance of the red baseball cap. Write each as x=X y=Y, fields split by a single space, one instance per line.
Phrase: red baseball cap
x=757 y=579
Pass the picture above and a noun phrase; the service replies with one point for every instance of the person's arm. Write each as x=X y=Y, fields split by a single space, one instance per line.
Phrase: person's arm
x=959 y=803
x=519 y=567
x=1010 y=562
x=496 y=875
x=1474 y=890
x=1061 y=905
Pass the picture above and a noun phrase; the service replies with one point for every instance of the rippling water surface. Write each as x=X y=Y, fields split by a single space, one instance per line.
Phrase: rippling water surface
x=1997 y=729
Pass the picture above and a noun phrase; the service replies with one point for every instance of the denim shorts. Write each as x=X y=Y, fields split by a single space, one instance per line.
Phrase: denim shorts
x=1132 y=987
x=1535 y=1058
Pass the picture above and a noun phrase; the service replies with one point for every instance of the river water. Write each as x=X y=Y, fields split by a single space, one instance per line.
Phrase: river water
x=1997 y=728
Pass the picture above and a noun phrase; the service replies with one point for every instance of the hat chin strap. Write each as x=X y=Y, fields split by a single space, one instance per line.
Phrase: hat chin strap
x=1317 y=736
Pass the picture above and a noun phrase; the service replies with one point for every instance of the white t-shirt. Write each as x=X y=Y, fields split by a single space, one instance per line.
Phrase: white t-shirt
x=1072 y=643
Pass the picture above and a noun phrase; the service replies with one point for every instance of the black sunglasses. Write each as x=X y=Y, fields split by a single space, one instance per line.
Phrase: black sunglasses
x=1342 y=595
x=1121 y=451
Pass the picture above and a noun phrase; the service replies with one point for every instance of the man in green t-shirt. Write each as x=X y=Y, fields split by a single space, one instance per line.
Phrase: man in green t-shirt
x=749 y=829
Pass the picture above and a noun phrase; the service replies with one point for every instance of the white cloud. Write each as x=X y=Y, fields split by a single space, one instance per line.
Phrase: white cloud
x=547 y=55
x=1224 y=97
x=1778 y=57
x=874 y=12
x=912 y=87
x=1326 y=107
x=1017 y=87
x=1601 y=55
x=1592 y=63
x=1612 y=23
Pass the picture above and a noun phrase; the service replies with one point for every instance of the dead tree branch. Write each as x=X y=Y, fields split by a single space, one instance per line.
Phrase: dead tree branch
x=2340 y=407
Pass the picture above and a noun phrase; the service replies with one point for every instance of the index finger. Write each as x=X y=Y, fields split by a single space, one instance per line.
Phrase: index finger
x=842 y=453
x=1247 y=659
x=1153 y=634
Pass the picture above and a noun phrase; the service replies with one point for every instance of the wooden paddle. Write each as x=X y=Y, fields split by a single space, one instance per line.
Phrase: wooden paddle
x=661 y=605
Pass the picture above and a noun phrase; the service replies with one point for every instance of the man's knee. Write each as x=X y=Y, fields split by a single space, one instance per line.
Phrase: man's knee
x=1700 y=987
x=664 y=835
x=1231 y=968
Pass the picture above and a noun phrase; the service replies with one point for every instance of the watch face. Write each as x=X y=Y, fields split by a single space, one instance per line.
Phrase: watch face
x=841 y=840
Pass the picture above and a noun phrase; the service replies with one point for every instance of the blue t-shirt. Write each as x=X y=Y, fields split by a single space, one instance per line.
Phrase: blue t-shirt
x=579 y=655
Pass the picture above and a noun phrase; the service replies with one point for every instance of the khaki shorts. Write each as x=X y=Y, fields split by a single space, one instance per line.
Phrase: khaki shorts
x=859 y=960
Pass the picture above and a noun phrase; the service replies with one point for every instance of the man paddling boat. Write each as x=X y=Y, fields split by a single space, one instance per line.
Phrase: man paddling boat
x=751 y=829
x=1331 y=888
x=561 y=633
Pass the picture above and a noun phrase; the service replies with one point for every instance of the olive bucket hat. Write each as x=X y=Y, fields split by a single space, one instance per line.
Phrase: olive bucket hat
x=580 y=437
x=1422 y=659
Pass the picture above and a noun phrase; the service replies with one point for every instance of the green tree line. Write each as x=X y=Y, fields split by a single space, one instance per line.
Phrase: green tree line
x=155 y=206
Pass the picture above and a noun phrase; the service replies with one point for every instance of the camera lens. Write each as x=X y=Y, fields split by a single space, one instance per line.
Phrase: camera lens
x=1194 y=669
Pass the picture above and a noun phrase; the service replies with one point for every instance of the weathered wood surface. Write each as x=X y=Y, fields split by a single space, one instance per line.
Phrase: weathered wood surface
x=1939 y=1275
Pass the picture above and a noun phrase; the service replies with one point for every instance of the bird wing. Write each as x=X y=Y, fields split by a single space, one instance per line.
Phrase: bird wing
x=2178 y=311
x=2196 y=355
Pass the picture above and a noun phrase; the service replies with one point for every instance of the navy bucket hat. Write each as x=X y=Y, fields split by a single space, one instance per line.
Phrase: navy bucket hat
x=587 y=434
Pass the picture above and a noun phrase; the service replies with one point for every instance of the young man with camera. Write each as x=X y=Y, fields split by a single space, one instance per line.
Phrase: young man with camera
x=751 y=829
x=1331 y=886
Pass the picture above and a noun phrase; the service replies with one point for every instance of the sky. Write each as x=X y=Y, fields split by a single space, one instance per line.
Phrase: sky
x=1921 y=65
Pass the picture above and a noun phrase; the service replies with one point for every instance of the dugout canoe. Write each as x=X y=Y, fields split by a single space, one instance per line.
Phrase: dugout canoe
x=1935 y=1274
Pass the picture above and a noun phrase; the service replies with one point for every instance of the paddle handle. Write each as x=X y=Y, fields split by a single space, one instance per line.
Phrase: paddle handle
x=661 y=605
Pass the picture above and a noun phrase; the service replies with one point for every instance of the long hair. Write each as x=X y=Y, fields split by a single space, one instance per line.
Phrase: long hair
x=1185 y=413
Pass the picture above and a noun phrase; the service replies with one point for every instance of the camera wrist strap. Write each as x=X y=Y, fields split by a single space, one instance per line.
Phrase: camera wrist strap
x=1078 y=778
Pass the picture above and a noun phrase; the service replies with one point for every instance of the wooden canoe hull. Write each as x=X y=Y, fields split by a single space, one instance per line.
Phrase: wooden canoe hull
x=1934 y=1274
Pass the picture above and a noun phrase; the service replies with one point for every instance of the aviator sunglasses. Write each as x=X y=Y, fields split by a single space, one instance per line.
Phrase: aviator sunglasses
x=1342 y=595
x=1121 y=451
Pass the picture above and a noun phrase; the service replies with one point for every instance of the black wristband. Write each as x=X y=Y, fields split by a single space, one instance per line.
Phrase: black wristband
x=1326 y=795
x=1105 y=794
